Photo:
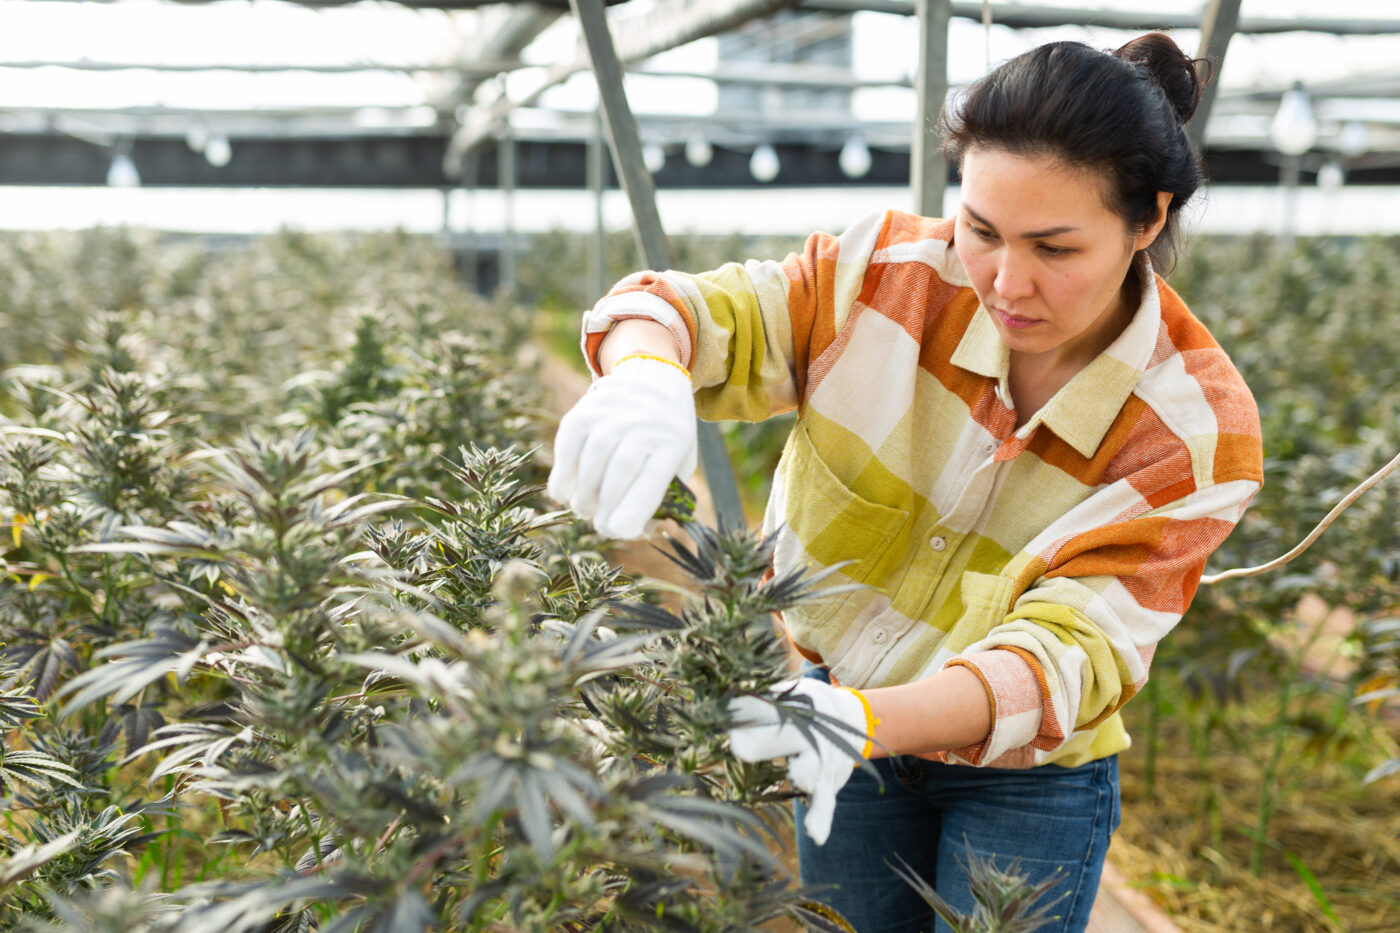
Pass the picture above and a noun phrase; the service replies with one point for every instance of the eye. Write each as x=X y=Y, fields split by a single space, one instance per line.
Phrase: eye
x=1049 y=250
x=981 y=233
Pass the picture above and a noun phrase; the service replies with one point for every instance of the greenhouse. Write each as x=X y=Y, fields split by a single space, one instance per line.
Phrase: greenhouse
x=381 y=549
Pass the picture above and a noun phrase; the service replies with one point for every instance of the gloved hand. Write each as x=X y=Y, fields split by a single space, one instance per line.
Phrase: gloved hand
x=618 y=448
x=817 y=766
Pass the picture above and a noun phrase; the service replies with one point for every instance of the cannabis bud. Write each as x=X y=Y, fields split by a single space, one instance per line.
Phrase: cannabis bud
x=679 y=503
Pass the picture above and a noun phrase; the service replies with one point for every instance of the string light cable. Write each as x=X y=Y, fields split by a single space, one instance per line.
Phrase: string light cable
x=987 y=30
x=1313 y=535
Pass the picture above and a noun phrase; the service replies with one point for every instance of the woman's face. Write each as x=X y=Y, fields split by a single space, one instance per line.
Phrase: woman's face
x=1046 y=256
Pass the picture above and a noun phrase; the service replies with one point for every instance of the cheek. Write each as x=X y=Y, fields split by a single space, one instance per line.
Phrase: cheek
x=1077 y=295
x=965 y=254
x=975 y=263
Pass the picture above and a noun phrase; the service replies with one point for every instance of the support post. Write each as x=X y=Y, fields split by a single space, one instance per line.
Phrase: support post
x=646 y=222
x=1218 y=26
x=927 y=167
x=470 y=262
x=505 y=168
x=1289 y=176
x=597 y=184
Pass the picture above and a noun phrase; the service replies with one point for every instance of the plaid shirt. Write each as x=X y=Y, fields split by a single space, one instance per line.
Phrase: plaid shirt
x=1049 y=559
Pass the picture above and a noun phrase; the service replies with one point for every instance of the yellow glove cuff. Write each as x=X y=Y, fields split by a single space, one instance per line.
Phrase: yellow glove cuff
x=870 y=721
x=659 y=359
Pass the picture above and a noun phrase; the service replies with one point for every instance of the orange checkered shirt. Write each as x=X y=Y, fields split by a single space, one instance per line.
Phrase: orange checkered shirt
x=1051 y=558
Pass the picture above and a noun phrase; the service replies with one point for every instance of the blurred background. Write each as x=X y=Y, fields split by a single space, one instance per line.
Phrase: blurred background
x=248 y=116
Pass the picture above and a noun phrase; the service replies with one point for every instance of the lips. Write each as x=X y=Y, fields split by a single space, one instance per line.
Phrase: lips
x=1013 y=321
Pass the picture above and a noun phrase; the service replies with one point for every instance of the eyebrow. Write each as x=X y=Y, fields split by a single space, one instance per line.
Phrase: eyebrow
x=1030 y=235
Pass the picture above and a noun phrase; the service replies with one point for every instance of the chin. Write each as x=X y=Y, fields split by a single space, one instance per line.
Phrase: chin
x=1023 y=342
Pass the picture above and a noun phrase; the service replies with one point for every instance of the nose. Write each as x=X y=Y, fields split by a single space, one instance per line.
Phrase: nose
x=1013 y=280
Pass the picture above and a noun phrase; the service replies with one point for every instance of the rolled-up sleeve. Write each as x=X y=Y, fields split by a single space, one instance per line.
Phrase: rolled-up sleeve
x=1078 y=642
x=747 y=331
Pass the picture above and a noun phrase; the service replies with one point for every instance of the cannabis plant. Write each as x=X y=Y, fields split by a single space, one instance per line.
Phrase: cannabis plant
x=441 y=729
x=292 y=642
x=1006 y=900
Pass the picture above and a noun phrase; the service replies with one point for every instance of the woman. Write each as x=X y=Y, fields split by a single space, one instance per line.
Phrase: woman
x=1018 y=437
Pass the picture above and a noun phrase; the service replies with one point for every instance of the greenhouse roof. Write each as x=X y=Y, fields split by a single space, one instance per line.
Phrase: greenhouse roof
x=370 y=68
x=374 y=94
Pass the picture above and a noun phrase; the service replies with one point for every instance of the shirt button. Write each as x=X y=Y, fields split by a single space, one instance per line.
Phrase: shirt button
x=989 y=448
x=938 y=543
x=880 y=636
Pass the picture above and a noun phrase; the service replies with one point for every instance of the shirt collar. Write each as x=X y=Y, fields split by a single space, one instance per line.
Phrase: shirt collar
x=1082 y=412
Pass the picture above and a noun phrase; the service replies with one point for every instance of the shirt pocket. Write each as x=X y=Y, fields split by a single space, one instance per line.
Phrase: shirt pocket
x=987 y=598
x=835 y=525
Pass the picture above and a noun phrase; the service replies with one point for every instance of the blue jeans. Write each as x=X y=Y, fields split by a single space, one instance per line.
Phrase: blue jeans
x=1054 y=819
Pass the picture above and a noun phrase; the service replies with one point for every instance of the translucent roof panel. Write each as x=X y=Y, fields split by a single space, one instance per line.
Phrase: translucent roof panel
x=271 y=33
x=278 y=68
x=260 y=34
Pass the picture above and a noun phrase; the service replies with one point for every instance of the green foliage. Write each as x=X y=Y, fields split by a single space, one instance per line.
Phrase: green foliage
x=1007 y=901
x=678 y=504
x=293 y=643
x=1313 y=330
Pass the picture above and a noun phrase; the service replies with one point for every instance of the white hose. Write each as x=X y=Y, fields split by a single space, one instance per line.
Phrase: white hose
x=1303 y=545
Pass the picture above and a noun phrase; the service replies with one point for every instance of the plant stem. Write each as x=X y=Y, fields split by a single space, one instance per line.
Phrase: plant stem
x=311 y=834
x=1200 y=741
x=1265 y=808
x=1268 y=797
x=72 y=581
x=1154 y=713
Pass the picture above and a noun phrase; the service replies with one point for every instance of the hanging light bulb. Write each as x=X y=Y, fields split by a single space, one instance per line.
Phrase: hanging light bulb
x=855 y=158
x=654 y=157
x=764 y=165
x=218 y=152
x=698 y=151
x=197 y=137
x=1294 y=129
x=1354 y=139
x=122 y=172
x=1331 y=176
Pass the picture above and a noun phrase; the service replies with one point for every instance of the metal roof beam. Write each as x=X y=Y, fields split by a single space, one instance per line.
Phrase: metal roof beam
x=521 y=24
x=928 y=169
x=560 y=6
x=1034 y=16
x=646 y=221
x=479 y=67
x=1382 y=83
x=780 y=74
x=739 y=127
x=1016 y=15
x=1218 y=26
x=776 y=73
x=672 y=23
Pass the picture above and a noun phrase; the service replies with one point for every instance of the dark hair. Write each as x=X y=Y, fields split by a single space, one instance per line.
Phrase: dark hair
x=1122 y=113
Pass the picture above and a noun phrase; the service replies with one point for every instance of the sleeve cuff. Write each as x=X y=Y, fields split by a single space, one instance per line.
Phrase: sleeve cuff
x=1021 y=706
x=628 y=306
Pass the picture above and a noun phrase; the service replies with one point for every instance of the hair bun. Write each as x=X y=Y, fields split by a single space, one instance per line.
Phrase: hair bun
x=1170 y=68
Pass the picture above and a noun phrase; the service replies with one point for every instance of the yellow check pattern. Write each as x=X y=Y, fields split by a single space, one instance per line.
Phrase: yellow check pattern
x=1050 y=559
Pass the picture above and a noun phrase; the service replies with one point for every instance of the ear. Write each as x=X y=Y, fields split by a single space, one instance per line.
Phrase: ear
x=1148 y=236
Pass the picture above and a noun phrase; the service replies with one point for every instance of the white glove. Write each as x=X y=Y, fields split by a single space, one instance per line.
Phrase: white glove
x=620 y=446
x=818 y=766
